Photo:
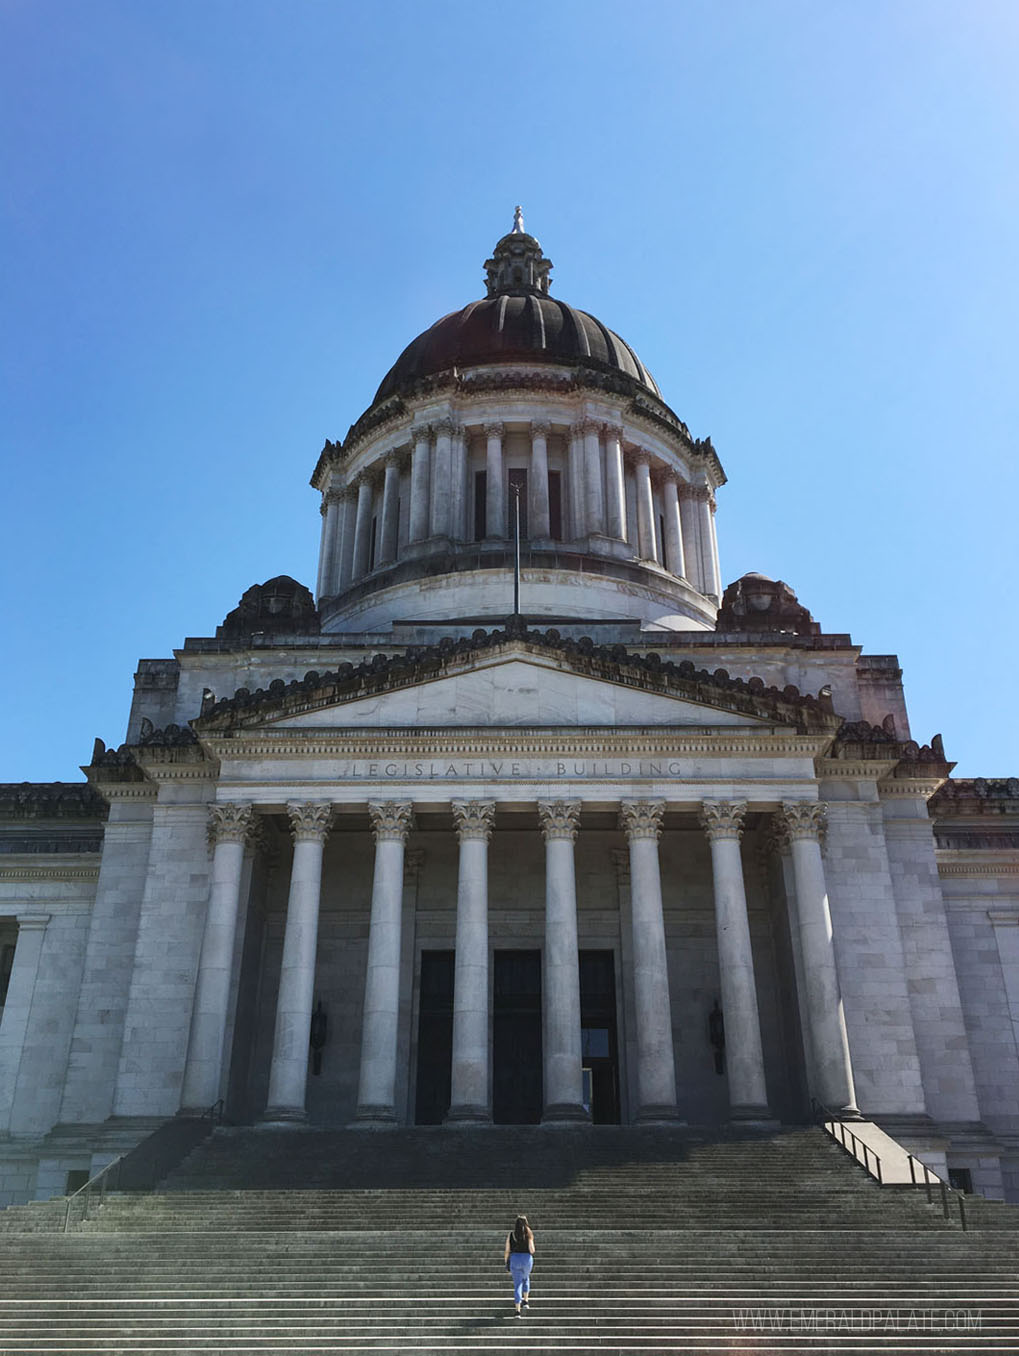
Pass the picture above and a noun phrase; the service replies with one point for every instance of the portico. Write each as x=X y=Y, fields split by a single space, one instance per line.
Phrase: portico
x=514 y=835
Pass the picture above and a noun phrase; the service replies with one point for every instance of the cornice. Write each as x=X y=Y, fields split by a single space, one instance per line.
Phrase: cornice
x=977 y=861
x=914 y=788
x=872 y=770
x=34 y=870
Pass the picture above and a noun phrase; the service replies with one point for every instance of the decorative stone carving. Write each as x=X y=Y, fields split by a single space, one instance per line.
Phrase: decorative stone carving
x=230 y=823
x=723 y=818
x=559 y=819
x=474 y=818
x=494 y=430
x=445 y=426
x=517 y=266
x=642 y=818
x=310 y=822
x=422 y=433
x=391 y=821
x=758 y=604
x=805 y=819
x=280 y=606
x=540 y=428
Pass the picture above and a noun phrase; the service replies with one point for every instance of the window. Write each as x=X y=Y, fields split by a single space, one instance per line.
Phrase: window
x=555 y=506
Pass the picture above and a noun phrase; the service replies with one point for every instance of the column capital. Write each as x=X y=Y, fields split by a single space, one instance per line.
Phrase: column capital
x=494 y=429
x=805 y=819
x=474 y=818
x=559 y=819
x=540 y=428
x=309 y=823
x=391 y=461
x=642 y=818
x=230 y=823
x=670 y=476
x=640 y=456
x=776 y=839
x=723 y=818
x=613 y=431
x=333 y=495
x=585 y=426
x=391 y=820
x=444 y=427
x=421 y=433
x=698 y=493
x=257 y=838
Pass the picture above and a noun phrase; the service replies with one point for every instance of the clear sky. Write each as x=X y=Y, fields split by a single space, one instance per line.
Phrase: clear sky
x=222 y=220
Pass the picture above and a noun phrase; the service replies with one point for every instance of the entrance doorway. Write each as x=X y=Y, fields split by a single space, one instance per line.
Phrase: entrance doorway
x=516 y=1038
x=599 y=1049
x=435 y=1038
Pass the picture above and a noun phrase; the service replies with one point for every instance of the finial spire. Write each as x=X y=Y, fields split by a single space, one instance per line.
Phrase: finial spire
x=518 y=221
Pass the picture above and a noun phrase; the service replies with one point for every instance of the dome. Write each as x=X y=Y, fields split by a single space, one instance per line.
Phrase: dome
x=504 y=328
x=517 y=321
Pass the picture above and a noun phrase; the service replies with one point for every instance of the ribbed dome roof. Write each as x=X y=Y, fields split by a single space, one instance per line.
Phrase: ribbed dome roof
x=504 y=328
x=517 y=321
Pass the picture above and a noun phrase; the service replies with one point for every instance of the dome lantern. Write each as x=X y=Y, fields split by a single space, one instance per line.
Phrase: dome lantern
x=517 y=267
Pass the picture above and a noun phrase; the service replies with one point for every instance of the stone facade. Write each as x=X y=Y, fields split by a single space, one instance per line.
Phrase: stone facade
x=640 y=851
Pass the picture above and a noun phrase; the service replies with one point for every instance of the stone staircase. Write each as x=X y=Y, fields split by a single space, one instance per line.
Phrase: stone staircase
x=647 y=1240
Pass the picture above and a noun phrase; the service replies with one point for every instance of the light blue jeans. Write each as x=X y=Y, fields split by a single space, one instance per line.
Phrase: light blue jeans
x=520 y=1270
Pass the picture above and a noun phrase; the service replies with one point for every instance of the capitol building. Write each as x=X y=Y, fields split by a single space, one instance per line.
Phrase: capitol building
x=526 y=815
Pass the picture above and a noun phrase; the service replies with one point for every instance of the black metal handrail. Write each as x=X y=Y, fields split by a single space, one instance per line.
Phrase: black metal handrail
x=839 y=1130
x=146 y=1161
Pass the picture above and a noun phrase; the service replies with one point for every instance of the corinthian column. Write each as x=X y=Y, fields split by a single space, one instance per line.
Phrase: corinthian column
x=656 y=1065
x=593 y=478
x=647 y=548
x=420 y=474
x=345 y=553
x=690 y=524
x=537 y=482
x=673 y=525
x=744 y=1056
x=288 y=1073
x=376 y=1093
x=229 y=826
x=458 y=484
x=576 y=495
x=495 y=483
x=564 y=1091
x=442 y=478
x=363 y=527
x=390 y=512
x=703 y=501
x=330 y=541
x=615 y=488
x=829 y=1041
x=469 y=1100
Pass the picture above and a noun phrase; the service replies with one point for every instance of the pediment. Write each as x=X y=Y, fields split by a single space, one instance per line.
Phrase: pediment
x=513 y=692
x=521 y=678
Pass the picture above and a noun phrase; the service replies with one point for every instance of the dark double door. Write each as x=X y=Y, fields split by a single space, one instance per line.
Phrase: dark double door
x=516 y=1036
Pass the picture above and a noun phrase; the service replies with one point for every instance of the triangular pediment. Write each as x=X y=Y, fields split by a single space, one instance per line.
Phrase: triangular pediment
x=514 y=692
x=502 y=679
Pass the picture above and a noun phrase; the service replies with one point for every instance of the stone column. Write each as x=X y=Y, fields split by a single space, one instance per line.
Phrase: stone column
x=564 y=1090
x=288 y=1073
x=577 y=496
x=744 y=1056
x=345 y=553
x=376 y=1093
x=469 y=1099
x=16 y=1012
x=673 y=525
x=656 y=1065
x=702 y=499
x=537 y=482
x=441 y=479
x=595 y=504
x=362 y=527
x=717 y=592
x=458 y=485
x=327 y=544
x=495 y=484
x=829 y=1042
x=420 y=476
x=228 y=825
x=390 y=512
x=690 y=525
x=615 y=487
x=647 y=547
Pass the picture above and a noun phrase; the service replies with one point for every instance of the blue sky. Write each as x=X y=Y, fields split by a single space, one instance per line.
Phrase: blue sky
x=223 y=219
